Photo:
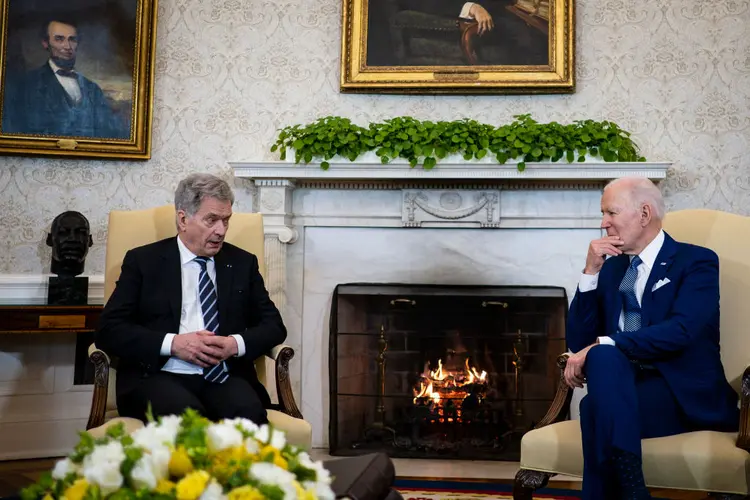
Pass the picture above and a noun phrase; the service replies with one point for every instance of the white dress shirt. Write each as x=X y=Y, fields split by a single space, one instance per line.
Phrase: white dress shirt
x=589 y=282
x=191 y=315
x=69 y=83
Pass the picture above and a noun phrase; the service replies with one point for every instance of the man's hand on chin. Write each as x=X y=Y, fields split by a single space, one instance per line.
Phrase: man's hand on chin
x=227 y=346
x=574 y=368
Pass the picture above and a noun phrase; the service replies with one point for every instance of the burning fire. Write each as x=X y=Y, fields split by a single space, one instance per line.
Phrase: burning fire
x=437 y=386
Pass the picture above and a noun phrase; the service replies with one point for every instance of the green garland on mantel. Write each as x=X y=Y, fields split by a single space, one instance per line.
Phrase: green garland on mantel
x=426 y=142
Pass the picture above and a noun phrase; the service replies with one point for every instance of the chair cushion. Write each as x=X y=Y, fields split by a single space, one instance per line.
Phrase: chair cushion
x=704 y=461
x=298 y=431
x=131 y=425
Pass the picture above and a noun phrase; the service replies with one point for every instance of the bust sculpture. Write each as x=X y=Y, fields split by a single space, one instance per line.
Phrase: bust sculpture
x=70 y=239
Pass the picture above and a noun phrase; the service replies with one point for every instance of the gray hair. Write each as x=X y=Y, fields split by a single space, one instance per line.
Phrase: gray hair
x=641 y=191
x=195 y=188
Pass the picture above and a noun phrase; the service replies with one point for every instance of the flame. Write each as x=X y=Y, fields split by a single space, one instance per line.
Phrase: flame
x=437 y=385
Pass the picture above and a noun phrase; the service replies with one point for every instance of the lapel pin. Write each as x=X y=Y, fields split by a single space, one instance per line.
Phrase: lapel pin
x=663 y=263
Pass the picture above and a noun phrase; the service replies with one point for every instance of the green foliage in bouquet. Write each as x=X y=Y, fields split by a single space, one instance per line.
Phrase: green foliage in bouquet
x=186 y=458
x=425 y=142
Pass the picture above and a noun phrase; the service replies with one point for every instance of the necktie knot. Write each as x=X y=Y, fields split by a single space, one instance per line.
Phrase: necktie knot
x=635 y=262
x=202 y=261
x=66 y=72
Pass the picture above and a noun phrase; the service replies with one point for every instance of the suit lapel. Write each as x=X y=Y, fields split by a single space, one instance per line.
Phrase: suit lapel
x=661 y=266
x=224 y=275
x=173 y=274
x=620 y=266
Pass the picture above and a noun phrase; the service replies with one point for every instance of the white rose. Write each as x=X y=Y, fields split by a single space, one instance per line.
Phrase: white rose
x=102 y=466
x=244 y=424
x=267 y=434
x=157 y=434
x=322 y=475
x=322 y=491
x=272 y=474
x=63 y=468
x=151 y=467
x=222 y=436
x=251 y=445
x=213 y=491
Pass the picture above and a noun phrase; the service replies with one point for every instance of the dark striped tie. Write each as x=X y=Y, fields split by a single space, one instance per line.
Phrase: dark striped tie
x=630 y=307
x=210 y=307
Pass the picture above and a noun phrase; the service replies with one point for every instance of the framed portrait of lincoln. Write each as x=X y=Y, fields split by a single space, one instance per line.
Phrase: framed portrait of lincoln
x=77 y=77
x=458 y=46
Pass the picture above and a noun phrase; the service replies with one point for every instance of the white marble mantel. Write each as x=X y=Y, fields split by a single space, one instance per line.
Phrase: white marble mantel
x=369 y=222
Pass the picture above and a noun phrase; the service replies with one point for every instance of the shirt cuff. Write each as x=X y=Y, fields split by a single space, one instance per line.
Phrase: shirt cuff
x=240 y=345
x=465 y=10
x=166 y=345
x=588 y=282
x=606 y=340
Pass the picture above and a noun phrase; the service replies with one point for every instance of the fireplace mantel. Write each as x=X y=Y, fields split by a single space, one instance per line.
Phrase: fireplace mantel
x=346 y=171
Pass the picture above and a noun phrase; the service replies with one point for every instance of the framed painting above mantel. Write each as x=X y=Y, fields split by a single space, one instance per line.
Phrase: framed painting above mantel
x=77 y=78
x=458 y=47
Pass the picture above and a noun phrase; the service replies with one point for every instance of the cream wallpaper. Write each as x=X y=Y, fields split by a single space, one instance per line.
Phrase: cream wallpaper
x=676 y=73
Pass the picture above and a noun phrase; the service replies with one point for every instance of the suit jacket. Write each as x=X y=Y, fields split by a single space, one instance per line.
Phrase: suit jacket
x=147 y=301
x=679 y=332
x=38 y=104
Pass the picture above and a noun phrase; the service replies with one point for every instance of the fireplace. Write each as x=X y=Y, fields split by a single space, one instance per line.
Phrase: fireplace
x=431 y=371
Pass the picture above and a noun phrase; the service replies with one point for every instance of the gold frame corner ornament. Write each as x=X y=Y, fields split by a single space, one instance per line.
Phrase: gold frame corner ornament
x=557 y=77
x=135 y=147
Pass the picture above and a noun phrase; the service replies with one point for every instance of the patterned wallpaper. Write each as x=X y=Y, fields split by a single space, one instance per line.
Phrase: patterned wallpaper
x=676 y=73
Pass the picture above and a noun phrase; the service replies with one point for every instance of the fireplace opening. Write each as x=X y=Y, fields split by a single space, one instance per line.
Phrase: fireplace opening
x=431 y=371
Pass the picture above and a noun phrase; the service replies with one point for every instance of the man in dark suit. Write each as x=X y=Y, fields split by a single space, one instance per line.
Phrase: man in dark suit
x=189 y=315
x=644 y=327
x=55 y=99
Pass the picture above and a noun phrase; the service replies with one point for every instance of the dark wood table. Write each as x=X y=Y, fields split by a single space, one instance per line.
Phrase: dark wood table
x=24 y=319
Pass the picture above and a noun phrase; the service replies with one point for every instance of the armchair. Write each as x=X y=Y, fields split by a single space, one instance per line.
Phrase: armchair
x=716 y=462
x=129 y=229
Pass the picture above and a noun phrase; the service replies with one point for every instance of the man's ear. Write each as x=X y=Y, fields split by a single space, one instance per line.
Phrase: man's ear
x=49 y=239
x=645 y=214
x=181 y=219
x=91 y=241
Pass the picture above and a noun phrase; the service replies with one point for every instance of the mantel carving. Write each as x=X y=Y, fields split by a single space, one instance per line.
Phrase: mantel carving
x=451 y=208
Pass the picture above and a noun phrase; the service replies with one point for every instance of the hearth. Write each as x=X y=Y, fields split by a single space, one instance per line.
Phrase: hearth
x=430 y=371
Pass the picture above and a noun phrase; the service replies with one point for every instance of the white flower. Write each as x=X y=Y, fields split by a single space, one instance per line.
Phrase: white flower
x=213 y=491
x=322 y=491
x=63 y=468
x=222 y=436
x=102 y=466
x=151 y=467
x=268 y=473
x=322 y=483
x=245 y=424
x=267 y=434
x=158 y=434
x=251 y=445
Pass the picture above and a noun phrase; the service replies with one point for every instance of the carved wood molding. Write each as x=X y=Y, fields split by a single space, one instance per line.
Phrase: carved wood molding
x=284 y=385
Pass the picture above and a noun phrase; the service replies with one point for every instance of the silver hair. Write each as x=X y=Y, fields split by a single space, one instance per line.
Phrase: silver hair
x=642 y=191
x=195 y=188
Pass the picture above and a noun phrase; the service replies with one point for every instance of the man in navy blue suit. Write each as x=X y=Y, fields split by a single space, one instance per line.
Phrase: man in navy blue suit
x=644 y=327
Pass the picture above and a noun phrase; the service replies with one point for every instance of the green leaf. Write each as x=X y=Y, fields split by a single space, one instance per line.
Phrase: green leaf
x=324 y=165
x=521 y=166
x=429 y=163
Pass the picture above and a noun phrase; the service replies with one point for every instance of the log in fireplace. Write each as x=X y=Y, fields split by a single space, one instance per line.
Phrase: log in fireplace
x=430 y=371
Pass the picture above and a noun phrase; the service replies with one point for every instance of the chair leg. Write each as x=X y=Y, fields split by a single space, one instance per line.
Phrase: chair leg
x=527 y=481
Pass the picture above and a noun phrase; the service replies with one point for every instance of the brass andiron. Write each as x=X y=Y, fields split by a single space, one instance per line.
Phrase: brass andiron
x=519 y=351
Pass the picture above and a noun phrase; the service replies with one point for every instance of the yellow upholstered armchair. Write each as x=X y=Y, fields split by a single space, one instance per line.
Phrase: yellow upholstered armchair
x=717 y=462
x=130 y=229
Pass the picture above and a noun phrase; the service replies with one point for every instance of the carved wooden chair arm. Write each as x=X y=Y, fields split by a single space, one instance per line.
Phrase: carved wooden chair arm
x=282 y=354
x=558 y=410
x=743 y=438
x=101 y=383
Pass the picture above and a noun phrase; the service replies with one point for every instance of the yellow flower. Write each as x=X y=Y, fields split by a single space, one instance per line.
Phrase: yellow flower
x=179 y=463
x=278 y=460
x=245 y=493
x=235 y=453
x=47 y=497
x=303 y=494
x=164 y=486
x=191 y=486
x=76 y=490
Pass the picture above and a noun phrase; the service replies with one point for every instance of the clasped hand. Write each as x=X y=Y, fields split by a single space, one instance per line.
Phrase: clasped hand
x=203 y=348
x=573 y=373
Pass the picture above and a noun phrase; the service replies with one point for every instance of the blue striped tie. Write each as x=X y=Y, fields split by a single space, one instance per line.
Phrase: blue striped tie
x=630 y=307
x=210 y=307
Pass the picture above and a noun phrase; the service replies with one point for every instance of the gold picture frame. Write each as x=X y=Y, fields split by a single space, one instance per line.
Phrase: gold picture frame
x=77 y=78
x=450 y=47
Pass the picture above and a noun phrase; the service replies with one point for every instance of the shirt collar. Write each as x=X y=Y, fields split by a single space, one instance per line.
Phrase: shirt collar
x=185 y=254
x=55 y=67
x=649 y=254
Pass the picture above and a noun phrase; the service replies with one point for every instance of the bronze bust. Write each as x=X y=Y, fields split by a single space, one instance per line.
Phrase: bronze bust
x=70 y=239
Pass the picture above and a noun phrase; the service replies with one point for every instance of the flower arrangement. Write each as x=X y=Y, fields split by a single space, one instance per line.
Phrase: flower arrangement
x=186 y=458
